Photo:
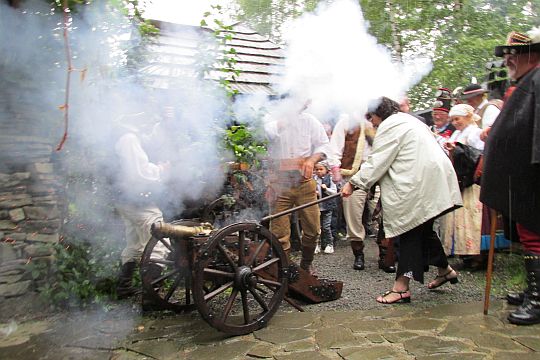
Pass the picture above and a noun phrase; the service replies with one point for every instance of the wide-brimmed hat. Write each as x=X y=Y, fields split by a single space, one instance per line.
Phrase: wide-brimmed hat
x=518 y=43
x=472 y=91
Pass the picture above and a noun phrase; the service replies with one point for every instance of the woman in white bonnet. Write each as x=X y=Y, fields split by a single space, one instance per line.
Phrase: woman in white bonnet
x=464 y=119
x=462 y=233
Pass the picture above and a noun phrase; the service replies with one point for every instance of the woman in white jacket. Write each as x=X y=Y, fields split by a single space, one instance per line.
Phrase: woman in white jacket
x=418 y=184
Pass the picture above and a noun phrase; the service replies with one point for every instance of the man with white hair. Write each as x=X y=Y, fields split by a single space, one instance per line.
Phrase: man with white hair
x=511 y=176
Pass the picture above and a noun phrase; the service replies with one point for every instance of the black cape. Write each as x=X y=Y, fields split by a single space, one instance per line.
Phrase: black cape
x=511 y=176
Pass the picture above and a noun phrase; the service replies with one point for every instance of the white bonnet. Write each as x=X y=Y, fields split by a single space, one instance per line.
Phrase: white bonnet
x=461 y=110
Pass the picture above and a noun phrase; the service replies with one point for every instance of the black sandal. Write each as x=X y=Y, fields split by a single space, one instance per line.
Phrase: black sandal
x=401 y=299
x=453 y=280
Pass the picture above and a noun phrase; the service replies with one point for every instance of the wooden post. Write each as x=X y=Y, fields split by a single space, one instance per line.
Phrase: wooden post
x=493 y=227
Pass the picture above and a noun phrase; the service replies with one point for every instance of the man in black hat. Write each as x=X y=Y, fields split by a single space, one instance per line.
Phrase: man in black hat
x=488 y=111
x=511 y=177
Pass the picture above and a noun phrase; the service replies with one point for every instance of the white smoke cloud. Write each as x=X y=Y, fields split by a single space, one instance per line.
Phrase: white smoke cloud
x=333 y=60
x=101 y=41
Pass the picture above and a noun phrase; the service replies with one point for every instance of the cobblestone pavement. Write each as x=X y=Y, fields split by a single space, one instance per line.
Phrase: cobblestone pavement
x=448 y=331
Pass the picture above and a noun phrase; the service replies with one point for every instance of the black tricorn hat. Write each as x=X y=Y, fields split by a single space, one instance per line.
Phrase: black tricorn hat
x=518 y=43
x=472 y=91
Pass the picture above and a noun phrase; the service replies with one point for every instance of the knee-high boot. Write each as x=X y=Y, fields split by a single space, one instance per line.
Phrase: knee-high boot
x=308 y=253
x=529 y=312
x=387 y=258
x=124 y=288
x=358 y=251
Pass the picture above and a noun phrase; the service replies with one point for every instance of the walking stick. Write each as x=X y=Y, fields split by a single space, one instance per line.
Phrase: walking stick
x=493 y=227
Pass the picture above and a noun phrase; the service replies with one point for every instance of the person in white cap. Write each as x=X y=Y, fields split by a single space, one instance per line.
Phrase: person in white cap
x=462 y=233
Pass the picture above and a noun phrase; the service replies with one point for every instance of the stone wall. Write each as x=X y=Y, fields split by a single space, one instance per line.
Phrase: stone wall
x=29 y=220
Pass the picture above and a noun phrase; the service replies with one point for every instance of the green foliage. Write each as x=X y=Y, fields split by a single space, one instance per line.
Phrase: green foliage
x=87 y=260
x=459 y=36
x=268 y=16
x=129 y=8
x=244 y=143
x=219 y=55
x=80 y=275
x=509 y=274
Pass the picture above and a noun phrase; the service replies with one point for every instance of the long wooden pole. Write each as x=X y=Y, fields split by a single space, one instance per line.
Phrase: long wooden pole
x=493 y=227
x=65 y=107
x=287 y=212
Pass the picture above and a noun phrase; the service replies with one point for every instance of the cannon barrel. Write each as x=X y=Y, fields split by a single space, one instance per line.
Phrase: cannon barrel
x=162 y=229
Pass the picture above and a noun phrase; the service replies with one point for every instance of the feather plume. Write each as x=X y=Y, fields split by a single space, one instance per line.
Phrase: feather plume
x=534 y=34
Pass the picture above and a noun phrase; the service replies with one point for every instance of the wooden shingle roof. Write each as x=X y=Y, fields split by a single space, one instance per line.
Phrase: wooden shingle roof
x=174 y=53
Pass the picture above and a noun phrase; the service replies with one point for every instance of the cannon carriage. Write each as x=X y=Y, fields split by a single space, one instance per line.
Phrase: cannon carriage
x=235 y=276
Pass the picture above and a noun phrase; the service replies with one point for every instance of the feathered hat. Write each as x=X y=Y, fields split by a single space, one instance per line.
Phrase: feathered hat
x=518 y=43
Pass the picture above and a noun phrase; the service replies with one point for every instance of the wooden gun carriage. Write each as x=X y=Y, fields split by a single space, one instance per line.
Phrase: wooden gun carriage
x=236 y=276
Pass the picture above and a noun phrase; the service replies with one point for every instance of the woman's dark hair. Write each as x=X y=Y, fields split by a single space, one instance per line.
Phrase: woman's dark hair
x=386 y=108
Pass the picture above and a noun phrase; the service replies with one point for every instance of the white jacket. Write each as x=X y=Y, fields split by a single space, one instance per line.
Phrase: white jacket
x=416 y=177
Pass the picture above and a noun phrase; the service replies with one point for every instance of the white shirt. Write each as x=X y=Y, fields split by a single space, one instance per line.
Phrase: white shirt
x=468 y=136
x=301 y=136
x=137 y=173
x=490 y=114
x=337 y=141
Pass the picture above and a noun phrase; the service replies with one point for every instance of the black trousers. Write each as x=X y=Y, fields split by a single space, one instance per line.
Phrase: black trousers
x=419 y=248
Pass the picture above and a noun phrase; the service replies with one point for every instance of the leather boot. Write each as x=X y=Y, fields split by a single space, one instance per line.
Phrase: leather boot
x=124 y=288
x=288 y=255
x=308 y=253
x=387 y=258
x=516 y=298
x=358 y=252
x=528 y=313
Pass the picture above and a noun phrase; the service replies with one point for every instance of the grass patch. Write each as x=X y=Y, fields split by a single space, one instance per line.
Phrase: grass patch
x=508 y=274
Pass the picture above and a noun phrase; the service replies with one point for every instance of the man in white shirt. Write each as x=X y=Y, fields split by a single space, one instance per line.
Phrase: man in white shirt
x=488 y=111
x=297 y=142
x=138 y=181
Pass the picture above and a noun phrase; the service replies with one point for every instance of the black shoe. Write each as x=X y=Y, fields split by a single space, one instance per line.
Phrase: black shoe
x=359 y=262
x=527 y=313
x=387 y=269
x=515 y=298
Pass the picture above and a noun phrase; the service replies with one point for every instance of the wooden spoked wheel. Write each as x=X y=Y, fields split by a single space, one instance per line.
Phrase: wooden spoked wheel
x=240 y=278
x=167 y=280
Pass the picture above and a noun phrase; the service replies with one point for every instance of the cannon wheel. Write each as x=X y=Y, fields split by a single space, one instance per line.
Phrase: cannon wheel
x=240 y=278
x=171 y=287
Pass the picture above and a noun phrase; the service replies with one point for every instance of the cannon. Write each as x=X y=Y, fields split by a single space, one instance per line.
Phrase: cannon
x=235 y=276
